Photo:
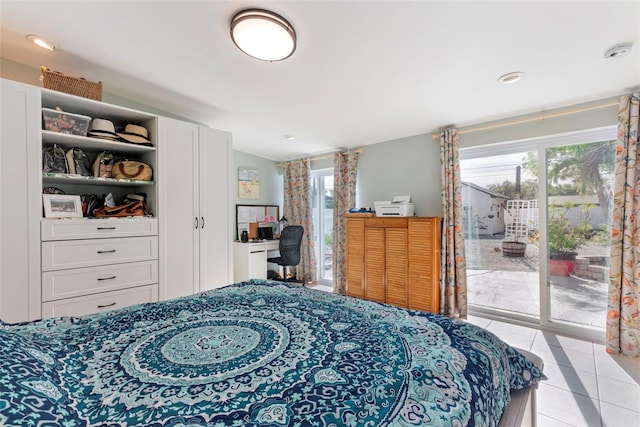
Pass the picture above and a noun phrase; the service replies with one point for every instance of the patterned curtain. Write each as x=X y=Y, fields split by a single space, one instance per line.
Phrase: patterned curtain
x=298 y=210
x=453 y=281
x=345 y=168
x=623 y=315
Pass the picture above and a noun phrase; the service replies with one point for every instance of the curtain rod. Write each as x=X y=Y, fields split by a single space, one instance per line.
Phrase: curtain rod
x=531 y=119
x=319 y=157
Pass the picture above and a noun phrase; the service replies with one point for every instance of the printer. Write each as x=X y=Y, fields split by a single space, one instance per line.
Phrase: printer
x=399 y=206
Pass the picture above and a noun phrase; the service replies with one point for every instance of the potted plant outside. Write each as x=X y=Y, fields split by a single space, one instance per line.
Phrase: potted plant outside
x=564 y=240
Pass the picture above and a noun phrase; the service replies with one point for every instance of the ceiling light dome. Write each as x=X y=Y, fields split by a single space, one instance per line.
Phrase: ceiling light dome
x=263 y=35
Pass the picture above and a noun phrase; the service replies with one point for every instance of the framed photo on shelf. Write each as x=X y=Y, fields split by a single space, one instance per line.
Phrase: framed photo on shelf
x=62 y=206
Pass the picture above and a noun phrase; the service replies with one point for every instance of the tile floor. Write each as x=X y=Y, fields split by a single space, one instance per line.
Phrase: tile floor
x=586 y=386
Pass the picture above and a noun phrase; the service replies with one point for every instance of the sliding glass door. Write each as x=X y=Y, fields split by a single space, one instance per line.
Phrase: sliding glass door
x=537 y=221
x=579 y=190
x=322 y=194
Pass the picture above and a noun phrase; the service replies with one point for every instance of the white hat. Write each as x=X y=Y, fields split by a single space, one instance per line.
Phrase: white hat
x=101 y=128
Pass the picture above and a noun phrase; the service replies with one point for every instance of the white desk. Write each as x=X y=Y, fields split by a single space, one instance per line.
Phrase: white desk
x=250 y=259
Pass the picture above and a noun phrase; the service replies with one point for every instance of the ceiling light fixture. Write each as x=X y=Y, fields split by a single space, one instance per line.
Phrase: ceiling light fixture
x=510 y=78
x=290 y=137
x=263 y=35
x=618 y=51
x=40 y=41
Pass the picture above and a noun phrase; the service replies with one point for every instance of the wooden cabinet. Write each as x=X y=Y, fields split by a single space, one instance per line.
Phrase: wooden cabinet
x=394 y=260
x=196 y=223
x=423 y=289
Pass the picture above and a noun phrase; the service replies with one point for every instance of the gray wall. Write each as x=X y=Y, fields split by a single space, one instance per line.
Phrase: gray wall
x=270 y=181
x=406 y=166
x=588 y=119
x=412 y=165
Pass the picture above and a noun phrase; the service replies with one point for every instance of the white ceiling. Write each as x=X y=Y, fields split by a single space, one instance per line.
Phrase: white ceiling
x=363 y=72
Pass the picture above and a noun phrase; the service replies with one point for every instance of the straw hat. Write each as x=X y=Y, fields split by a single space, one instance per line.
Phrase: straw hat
x=101 y=128
x=135 y=134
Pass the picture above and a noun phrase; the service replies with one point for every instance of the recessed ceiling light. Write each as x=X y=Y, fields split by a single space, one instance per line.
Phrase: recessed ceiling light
x=618 y=51
x=41 y=41
x=509 y=78
x=290 y=137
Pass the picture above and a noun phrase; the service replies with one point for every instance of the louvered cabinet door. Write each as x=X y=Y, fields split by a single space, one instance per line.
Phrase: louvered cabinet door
x=355 y=257
x=374 y=264
x=424 y=264
x=397 y=266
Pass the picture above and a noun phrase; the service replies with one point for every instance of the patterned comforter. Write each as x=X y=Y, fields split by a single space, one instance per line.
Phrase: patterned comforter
x=256 y=353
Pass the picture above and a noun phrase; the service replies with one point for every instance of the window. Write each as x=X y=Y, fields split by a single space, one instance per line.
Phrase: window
x=322 y=202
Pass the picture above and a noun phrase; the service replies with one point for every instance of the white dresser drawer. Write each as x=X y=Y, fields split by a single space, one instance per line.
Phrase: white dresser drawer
x=89 y=253
x=69 y=229
x=81 y=306
x=76 y=282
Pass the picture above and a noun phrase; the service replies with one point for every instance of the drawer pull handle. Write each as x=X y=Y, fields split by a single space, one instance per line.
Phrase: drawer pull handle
x=107 y=305
x=106 y=228
x=107 y=252
x=107 y=278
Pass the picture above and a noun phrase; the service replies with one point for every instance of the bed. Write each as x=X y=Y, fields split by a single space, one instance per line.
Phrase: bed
x=257 y=353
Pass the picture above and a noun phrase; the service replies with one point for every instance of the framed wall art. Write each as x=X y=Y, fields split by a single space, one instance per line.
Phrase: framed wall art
x=62 y=206
x=248 y=183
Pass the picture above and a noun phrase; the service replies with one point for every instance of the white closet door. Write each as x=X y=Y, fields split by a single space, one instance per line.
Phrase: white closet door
x=20 y=202
x=215 y=208
x=178 y=226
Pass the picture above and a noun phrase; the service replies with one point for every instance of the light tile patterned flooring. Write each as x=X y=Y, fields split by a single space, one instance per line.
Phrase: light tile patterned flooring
x=586 y=386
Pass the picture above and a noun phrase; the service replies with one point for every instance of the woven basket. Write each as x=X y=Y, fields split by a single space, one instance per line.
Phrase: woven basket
x=73 y=85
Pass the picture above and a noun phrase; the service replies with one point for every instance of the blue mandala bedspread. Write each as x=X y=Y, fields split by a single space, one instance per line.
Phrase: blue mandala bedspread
x=256 y=353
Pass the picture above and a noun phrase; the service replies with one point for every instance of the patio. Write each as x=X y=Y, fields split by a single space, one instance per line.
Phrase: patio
x=512 y=284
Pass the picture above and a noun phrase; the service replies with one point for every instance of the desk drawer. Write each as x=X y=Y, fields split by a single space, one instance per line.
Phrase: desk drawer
x=92 y=280
x=386 y=222
x=55 y=229
x=89 y=253
x=81 y=306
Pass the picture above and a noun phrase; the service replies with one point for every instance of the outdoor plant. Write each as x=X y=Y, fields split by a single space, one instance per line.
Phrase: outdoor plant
x=565 y=238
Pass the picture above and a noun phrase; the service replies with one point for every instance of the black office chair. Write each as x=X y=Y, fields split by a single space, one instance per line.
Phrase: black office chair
x=290 y=241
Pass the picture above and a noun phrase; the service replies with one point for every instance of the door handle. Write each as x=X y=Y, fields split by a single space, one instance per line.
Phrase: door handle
x=202 y=220
x=195 y=223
